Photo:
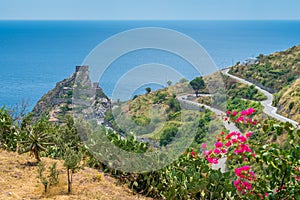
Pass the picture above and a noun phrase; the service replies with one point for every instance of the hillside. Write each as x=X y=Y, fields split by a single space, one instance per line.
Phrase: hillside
x=18 y=180
x=278 y=73
x=274 y=71
x=289 y=103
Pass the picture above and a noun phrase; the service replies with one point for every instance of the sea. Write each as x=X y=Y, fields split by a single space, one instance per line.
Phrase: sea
x=35 y=55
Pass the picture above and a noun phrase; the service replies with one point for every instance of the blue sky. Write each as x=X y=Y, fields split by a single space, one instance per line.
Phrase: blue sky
x=150 y=9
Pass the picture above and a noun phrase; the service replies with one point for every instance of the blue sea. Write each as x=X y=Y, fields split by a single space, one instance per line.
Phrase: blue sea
x=35 y=55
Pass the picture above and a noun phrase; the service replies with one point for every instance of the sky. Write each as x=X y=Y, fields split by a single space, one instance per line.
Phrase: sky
x=149 y=10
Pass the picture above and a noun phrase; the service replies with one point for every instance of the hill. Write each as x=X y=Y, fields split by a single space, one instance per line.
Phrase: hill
x=18 y=180
x=289 y=103
x=275 y=71
x=278 y=73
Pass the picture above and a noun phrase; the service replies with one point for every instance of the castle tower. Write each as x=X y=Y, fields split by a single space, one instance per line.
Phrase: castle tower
x=83 y=68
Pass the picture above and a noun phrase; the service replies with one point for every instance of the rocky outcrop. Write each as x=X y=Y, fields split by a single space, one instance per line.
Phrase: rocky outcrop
x=69 y=94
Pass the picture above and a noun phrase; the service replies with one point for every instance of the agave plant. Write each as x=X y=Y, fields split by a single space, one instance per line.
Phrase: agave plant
x=36 y=143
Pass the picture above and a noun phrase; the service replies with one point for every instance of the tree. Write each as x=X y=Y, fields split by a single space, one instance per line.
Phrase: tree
x=41 y=176
x=197 y=84
x=38 y=139
x=36 y=143
x=148 y=90
x=169 y=83
x=72 y=160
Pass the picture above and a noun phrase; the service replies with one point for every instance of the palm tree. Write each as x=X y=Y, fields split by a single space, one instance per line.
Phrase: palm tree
x=36 y=143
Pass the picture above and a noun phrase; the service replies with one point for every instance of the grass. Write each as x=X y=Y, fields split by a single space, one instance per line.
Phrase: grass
x=18 y=180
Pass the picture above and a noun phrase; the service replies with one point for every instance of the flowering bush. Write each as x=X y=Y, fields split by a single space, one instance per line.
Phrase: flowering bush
x=271 y=172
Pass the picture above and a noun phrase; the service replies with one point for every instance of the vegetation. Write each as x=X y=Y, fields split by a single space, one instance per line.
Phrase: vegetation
x=277 y=72
x=240 y=90
x=260 y=162
x=72 y=160
x=274 y=71
x=148 y=90
x=192 y=175
x=289 y=102
x=36 y=143
x=197 y=84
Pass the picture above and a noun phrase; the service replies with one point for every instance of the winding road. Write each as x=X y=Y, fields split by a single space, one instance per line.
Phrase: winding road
x=267 y=104
x=220 y=114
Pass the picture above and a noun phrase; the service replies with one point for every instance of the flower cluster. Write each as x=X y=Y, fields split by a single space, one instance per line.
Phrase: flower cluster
x=245 y=173
x=236 y=143
x=213 y=156
x=242 y=186
x=243 y=116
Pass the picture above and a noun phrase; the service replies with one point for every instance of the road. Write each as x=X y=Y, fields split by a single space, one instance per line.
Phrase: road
x=220 y=114
x=267 y=104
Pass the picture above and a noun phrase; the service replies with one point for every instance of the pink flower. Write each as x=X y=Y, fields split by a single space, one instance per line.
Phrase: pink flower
x=203 y=145
x=240 y=119
x=207 y=152
x=193 y=154
x=228 y=113
x=234 y=113
x=246 y=167
x=215 y=161
x=234 y=140
x=224 y=151
x=244 y=112
x=242 y=138
x=212 y=160
x=228 y=136
x=248 y=135
x=217 y=151
x=228 y=144
x=251 y=111
x=267 y=194
x=218 y=144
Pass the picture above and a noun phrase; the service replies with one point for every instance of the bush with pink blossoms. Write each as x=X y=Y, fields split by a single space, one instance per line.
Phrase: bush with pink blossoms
x=261 y=171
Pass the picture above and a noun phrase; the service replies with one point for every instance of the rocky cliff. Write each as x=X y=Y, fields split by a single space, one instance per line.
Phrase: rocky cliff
x=68 y=95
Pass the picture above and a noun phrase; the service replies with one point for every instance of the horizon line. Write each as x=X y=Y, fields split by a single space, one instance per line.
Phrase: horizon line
x=149 y=19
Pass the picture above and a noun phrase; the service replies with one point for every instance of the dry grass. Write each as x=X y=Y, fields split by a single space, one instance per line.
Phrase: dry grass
x=18 y=180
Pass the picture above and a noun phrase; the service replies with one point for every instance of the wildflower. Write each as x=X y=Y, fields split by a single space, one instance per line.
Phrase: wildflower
x=203 y=145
